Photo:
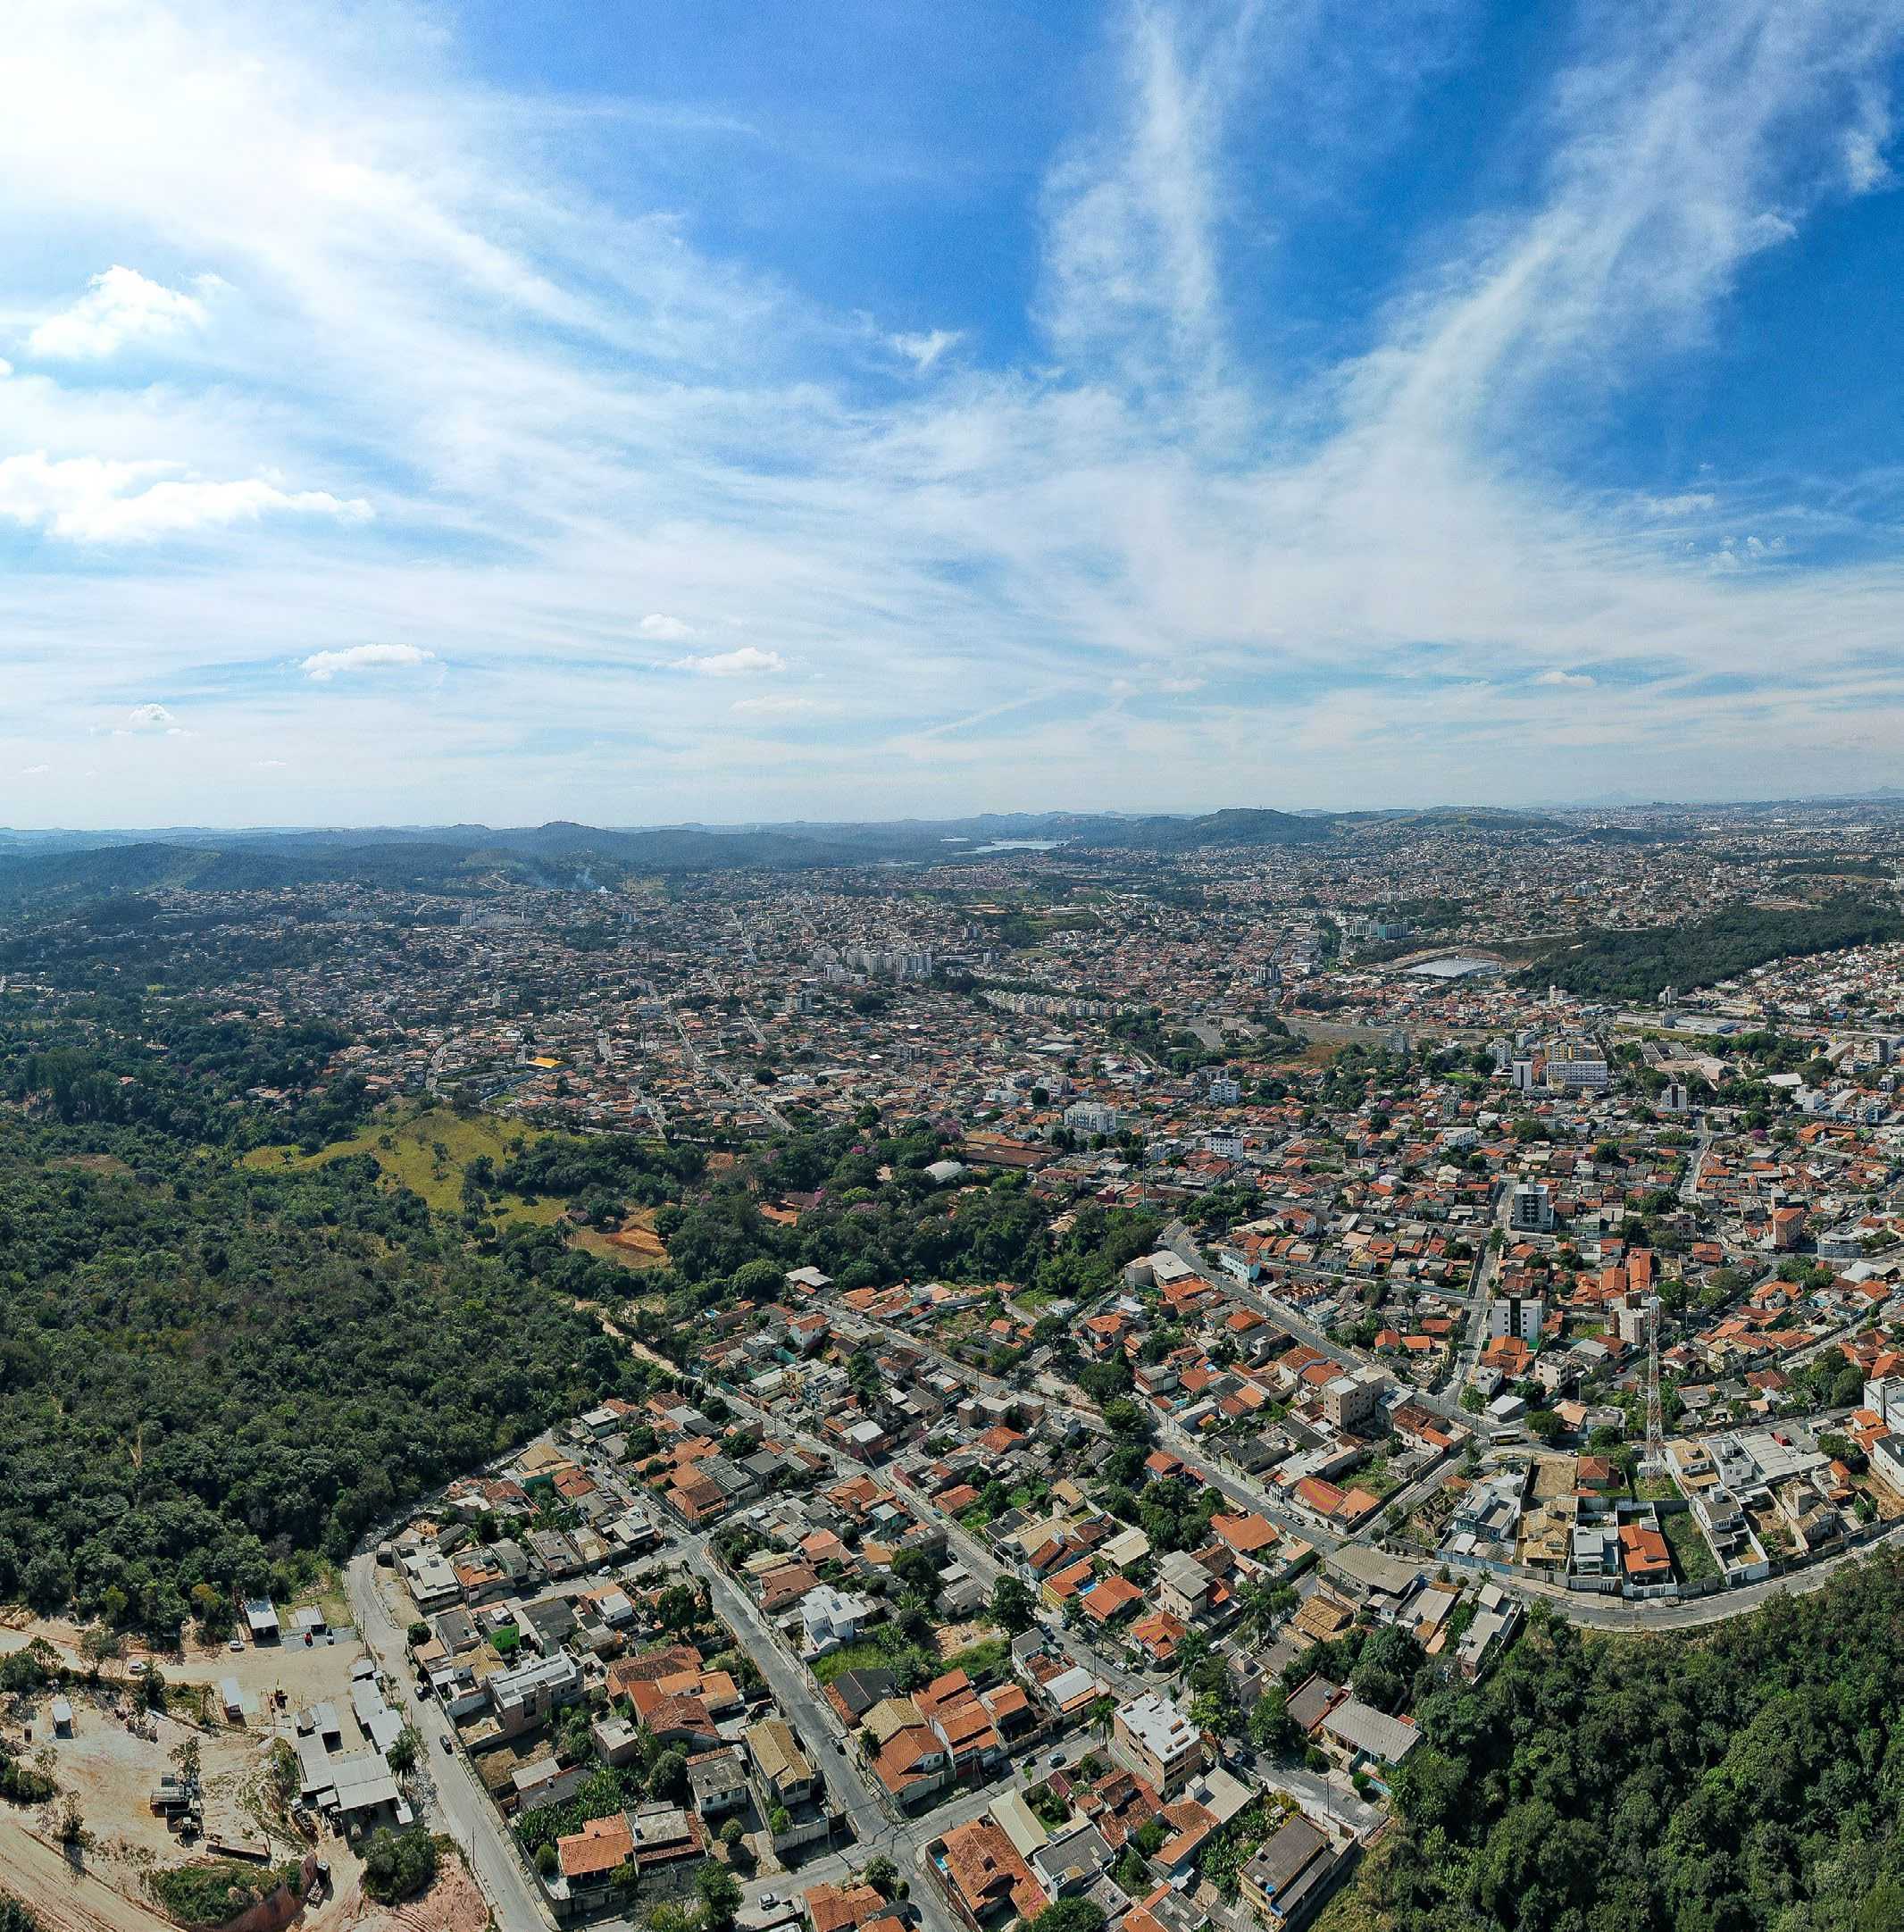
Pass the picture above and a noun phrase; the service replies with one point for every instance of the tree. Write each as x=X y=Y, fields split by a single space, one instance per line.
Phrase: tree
x=99 y=1642
x=719 y=1894
x=669 y=1777
x=677 y=1607
x=1270 y=1727
x=402 y=1755
x=1013 y=1609
x=1386 y=1669
x=882 y=1874
x=1070 y=1915
x=397 y=1865
x=187 y=1756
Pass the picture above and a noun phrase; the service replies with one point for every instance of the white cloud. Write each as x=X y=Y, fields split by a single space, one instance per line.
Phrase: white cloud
x=748 y=661
x=151 y=718
x=6 y=368
x=321 y=666
x=268 y=765
x=1577 y=680
x=667 y=630
x=93 y=499
x=119 y=306
x=36 y=770
x=1138 y=496
x=924 y=349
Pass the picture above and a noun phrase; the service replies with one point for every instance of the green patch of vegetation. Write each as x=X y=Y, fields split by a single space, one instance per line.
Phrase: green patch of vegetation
x=1228 y=1848
x=1737 y=1778
x=14 y=1917
x=213 y=1374
x=399 y=1864
x=211 y=1893
x=1638 y=966
x=863 y=1655
x=1692 y=1555
x=982 y=1660
x=427 y=1152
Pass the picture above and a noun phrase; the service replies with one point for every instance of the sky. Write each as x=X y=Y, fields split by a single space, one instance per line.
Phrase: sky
x=874 y=408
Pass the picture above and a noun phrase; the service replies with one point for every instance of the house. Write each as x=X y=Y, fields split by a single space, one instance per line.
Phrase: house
x=1184 y=1586
x=984 y=1877
x=589 y=1858
x=1290 y=1875
x=854 y=1692
x=783 y=1775
x=913 y=1763
x=833 y=1908
x=718 y=1780
x=526 y=1696
x=1360 y=1735
x=1644 y=1554
x=831 y=1618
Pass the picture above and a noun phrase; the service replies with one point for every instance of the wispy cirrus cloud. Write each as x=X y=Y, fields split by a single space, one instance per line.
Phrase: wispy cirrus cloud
x=579 y=410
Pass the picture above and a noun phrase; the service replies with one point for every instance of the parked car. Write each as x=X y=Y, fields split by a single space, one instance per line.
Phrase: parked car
x=448 y=1746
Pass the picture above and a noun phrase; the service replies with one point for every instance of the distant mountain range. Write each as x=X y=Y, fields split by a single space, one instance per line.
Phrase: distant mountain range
x=50 y=868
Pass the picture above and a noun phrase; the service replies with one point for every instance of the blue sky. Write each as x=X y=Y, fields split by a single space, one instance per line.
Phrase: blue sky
x=420 y=412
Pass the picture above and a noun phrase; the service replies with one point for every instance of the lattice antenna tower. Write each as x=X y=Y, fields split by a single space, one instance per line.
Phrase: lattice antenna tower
x=1655 y=1462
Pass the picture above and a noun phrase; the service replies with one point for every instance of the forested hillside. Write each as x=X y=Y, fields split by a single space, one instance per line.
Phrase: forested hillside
x=208 y=1373
x=1640 y=965
x=1747 y=1780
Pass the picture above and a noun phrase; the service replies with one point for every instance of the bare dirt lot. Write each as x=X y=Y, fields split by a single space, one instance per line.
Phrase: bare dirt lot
x=108 y=1771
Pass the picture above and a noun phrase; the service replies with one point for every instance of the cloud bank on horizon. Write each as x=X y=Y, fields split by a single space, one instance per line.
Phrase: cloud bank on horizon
x=465 y=411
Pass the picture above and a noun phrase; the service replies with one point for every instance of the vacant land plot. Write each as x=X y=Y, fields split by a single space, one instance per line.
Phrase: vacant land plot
x=634 y=1245
x=428 y=1151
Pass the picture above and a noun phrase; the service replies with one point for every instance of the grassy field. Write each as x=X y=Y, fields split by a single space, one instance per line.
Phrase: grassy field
x=863 y=1655
x=427 y=1150
x=1692 y=1557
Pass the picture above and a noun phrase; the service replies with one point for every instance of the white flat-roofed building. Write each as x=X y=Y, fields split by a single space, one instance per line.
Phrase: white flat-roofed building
x=1154 y=1740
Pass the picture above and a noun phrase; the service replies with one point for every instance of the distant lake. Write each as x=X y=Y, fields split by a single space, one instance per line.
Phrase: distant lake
x=1017 y=845
x=1458 y=967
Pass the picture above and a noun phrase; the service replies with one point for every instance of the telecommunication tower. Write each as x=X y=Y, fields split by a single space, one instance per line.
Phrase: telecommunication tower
x=1655 y=1461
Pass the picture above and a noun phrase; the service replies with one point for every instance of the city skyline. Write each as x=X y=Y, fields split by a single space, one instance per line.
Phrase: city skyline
x=454 y=414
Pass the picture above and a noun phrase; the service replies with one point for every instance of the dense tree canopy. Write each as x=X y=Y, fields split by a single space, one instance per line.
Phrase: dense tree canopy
x=206 y=1369
x=1640 y=963
x=1750 y=1779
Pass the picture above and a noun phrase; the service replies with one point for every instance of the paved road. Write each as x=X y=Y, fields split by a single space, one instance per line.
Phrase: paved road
x=464 y=1806
x=1611 y=1613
